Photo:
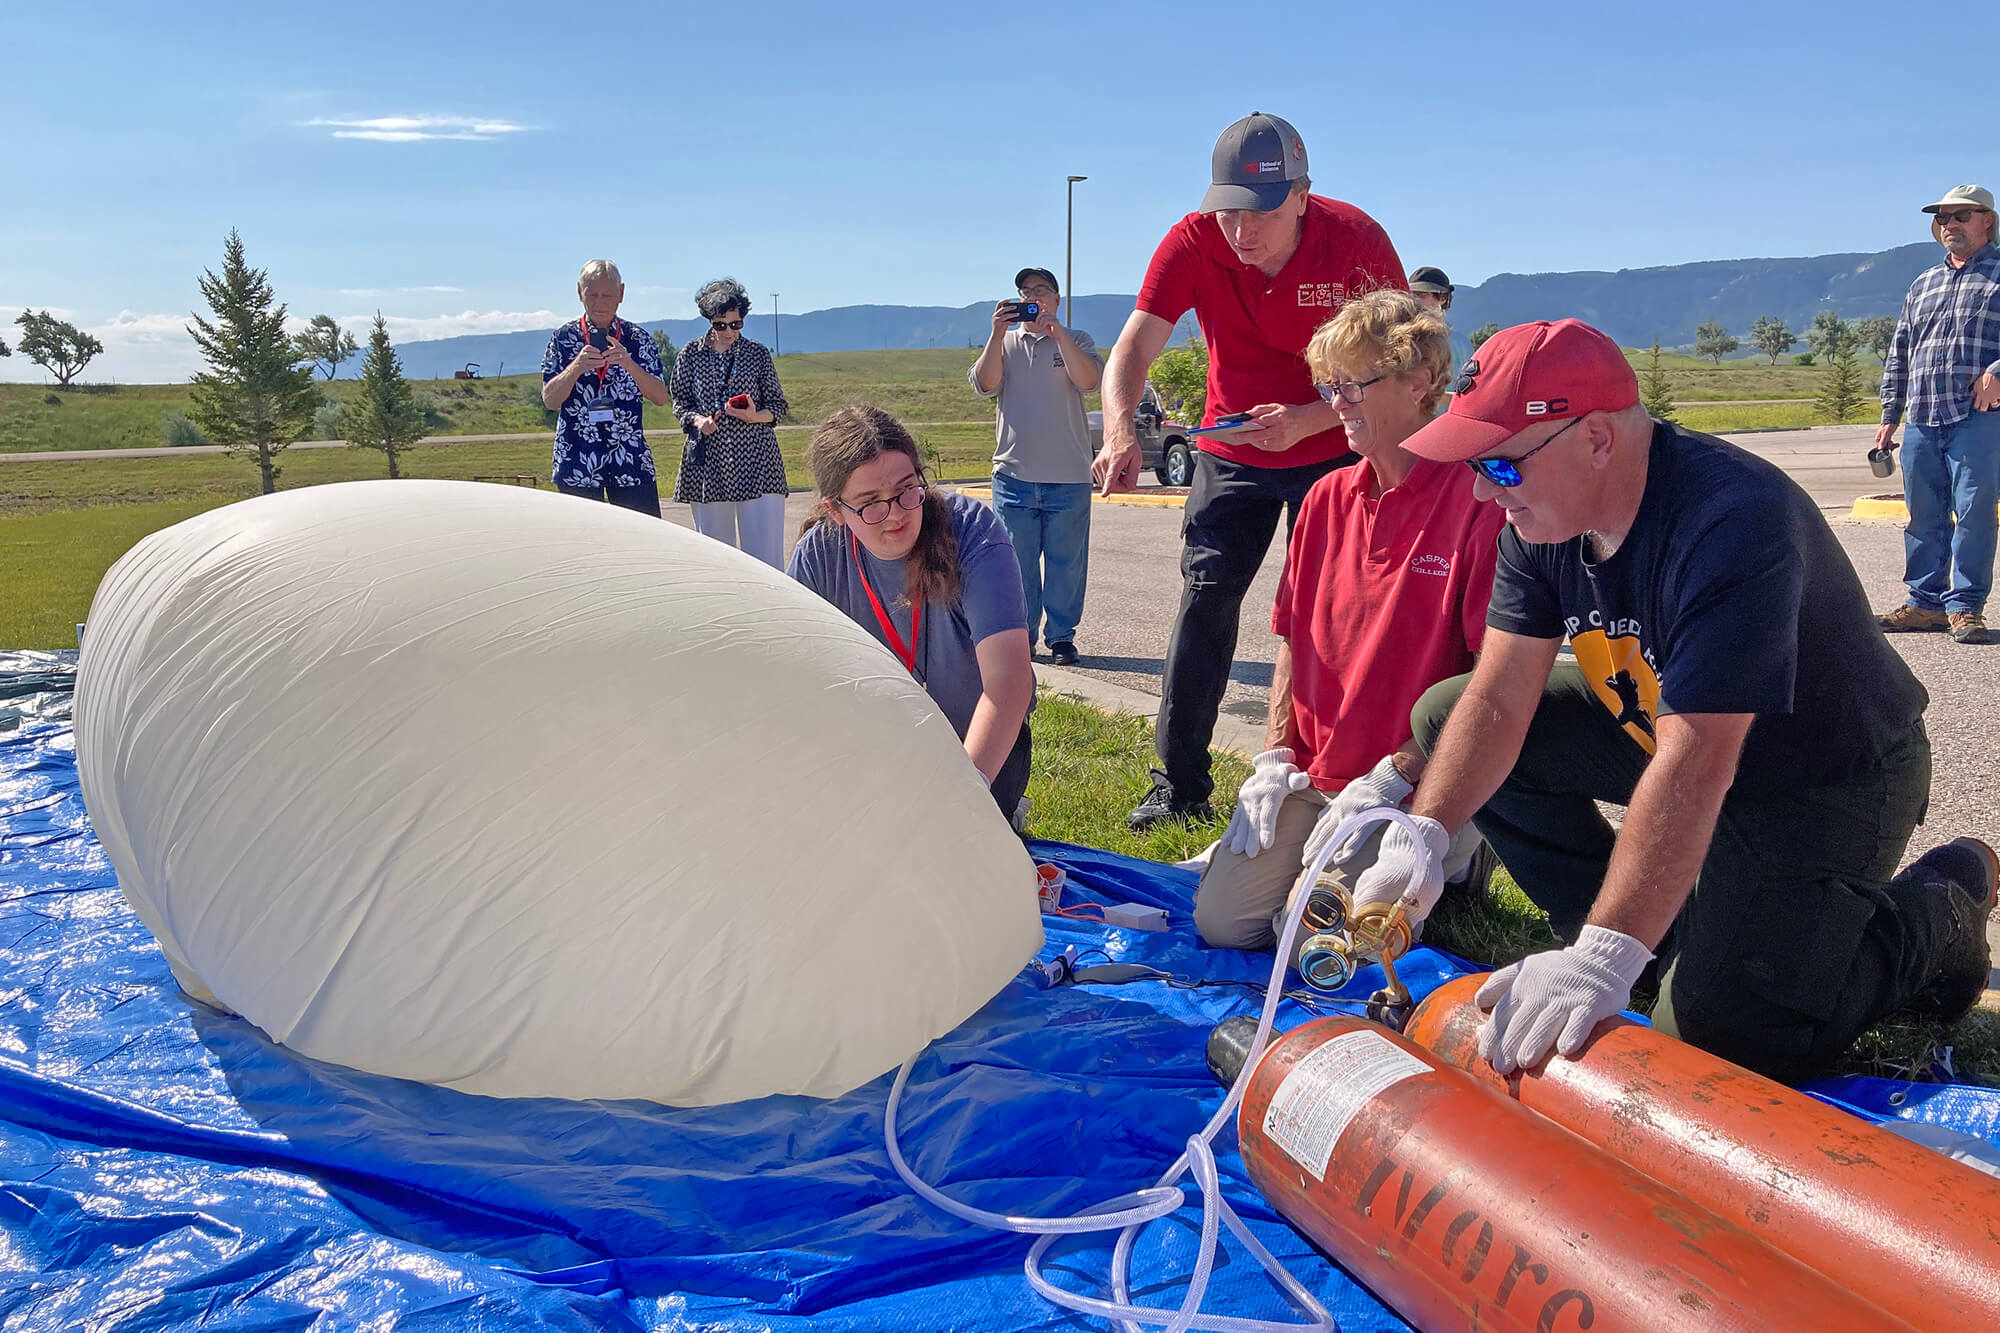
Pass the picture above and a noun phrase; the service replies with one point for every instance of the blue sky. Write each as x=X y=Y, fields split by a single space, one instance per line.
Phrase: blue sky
x=915 y=154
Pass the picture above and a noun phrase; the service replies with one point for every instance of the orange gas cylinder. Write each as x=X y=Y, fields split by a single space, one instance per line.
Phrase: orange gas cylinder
x=1904 y=1226
x=1463 y=1210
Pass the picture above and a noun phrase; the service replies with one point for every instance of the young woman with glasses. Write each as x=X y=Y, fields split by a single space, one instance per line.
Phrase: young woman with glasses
x=932 y=575
x=726 y=393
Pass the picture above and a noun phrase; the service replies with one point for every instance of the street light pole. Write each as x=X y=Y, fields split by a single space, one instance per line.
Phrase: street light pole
x=777 y=339
x=1069 y=253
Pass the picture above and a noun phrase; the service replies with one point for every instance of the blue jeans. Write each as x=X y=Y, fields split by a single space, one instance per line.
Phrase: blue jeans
x=1050 y=524
x=1951 y=482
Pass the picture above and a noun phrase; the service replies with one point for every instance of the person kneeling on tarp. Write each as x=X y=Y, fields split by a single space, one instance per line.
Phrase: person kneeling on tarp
x=1730 y=688
x=1384 y=594
x=933 y=576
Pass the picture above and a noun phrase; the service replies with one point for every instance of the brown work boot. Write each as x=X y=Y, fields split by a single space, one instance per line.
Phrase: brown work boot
x=1969 y=871
x=1908 y=619
x=1970 y=627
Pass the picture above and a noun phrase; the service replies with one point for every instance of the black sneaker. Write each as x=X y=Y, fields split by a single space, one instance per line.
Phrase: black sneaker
x=1063 y=653
x=1969 y=871
x=1160 y=805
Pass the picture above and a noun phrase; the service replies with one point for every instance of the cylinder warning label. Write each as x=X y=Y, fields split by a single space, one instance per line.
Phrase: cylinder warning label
x=1327 y=1089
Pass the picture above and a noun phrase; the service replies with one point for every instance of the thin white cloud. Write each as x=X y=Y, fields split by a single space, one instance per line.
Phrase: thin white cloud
x=408 y=328
x=414 y=129
x=156 y=349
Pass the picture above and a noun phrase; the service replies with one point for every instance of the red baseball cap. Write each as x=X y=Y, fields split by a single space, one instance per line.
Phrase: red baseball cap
x=1519 y=376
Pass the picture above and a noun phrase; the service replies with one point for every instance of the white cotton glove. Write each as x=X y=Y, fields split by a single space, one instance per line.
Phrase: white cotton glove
x=1273 y=777
x=1385 y=881
x=1382 y=785
x=1557 y=998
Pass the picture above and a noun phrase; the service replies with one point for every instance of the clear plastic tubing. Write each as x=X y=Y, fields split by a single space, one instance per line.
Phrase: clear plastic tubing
x=1128 y=1214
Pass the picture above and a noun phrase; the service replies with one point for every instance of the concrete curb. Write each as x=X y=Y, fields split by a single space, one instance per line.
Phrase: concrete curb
x=1230 y=733
x=1128 y=498
x=1881 y=507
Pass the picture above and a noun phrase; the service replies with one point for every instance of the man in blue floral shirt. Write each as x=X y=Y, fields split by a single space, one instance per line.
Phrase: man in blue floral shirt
x=597 y=375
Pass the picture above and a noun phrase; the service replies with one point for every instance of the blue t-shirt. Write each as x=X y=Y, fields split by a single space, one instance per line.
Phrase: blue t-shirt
x=588 y=453
x=989 y=602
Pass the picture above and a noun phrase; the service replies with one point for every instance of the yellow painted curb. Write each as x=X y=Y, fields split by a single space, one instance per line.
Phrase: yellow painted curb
x=1129 y=498
x=1881 y=506
x=1886 y=506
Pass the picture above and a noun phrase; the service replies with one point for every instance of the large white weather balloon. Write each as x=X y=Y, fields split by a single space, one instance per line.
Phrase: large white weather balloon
x=503 y=790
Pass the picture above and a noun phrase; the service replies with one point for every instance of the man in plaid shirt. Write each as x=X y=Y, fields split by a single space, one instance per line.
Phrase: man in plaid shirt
x=1941 y=379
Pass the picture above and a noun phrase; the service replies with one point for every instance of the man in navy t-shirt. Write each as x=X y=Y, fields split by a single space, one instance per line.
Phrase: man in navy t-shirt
x=1730 y=688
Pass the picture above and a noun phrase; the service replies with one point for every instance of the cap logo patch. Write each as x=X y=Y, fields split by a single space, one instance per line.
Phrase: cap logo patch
x=1549 y=407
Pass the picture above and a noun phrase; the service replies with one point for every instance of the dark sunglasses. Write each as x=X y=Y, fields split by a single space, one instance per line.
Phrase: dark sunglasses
x=875 y=511
x=1960 y=215
x=1349 y=391
x=1507 y=471
x=720 y=324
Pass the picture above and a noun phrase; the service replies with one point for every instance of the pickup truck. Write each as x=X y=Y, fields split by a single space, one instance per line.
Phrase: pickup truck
x=1163 y=444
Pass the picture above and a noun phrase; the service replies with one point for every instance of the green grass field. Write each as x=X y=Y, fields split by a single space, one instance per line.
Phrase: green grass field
x=1723 y=418
x=917 y=385
x=63 y=524
x=1695 y=379
x=927 y=385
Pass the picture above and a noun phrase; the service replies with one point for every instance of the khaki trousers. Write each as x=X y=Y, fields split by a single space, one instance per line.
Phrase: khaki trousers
x=1241 y=901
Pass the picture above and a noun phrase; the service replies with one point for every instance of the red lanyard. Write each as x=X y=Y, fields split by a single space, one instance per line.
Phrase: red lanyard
x=617 y=331
x=907 y=654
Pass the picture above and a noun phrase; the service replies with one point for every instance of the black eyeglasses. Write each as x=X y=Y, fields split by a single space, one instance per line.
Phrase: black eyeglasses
x=1507 y=471
x=1960 y=215
x=1348 y=391
x=876 y=510
x=719 y=324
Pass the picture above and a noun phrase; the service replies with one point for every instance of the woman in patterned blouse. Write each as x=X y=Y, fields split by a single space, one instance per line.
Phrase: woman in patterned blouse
x=725 y=391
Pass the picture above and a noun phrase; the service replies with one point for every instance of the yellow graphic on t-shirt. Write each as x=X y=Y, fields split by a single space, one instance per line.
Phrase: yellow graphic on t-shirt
x=1622 y=679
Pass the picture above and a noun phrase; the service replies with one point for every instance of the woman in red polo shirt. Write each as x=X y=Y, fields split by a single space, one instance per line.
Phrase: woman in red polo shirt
x=1384 y=595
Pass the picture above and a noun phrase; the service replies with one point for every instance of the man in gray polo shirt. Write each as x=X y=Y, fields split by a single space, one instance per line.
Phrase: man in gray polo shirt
x=1040 y=372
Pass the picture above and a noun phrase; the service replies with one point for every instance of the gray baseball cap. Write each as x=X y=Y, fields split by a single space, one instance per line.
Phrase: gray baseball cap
x=1256 y=161
x=1963 y=196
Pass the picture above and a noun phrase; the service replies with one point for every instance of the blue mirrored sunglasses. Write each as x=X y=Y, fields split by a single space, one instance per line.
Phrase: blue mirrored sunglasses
x=1507 y=471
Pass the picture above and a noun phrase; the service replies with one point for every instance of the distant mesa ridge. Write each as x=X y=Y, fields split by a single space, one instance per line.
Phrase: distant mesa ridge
x=1634 y=305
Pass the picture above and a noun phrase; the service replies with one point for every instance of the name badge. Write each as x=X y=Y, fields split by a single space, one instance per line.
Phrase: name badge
x=602 y=416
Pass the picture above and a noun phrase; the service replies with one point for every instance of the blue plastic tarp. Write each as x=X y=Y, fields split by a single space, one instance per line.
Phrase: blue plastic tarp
x=163 y=1166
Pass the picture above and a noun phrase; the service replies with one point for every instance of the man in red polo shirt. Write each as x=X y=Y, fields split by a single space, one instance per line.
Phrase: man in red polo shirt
x=1262 y=264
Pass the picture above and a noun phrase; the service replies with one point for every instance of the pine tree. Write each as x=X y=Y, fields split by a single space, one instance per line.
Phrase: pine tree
x=1483 y=332
x=1656 y=387
x=254 y=398
x=1840 y=392
x=668 y=352
x=383 y=413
